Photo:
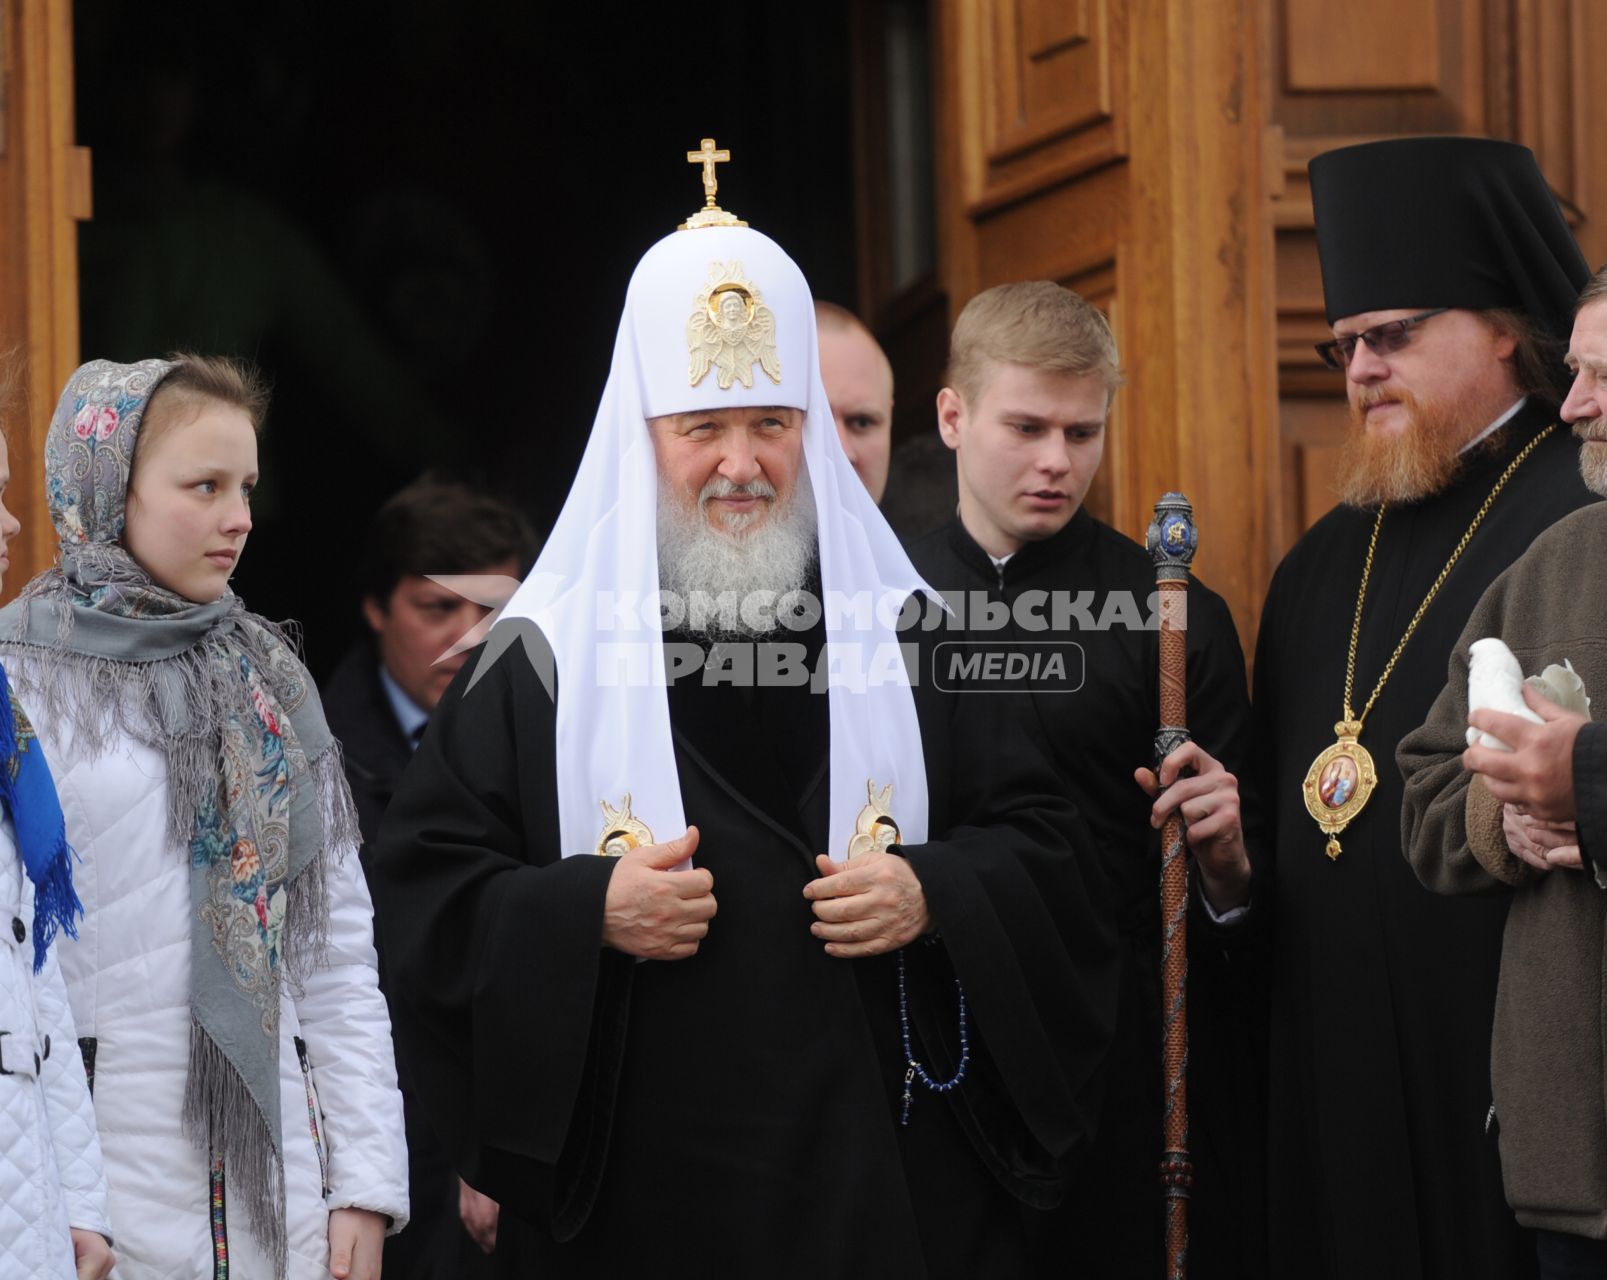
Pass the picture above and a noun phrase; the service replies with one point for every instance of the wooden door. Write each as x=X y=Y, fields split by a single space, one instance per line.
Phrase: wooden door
x=1514 y=69
x=1116 y=146
x=1152 y=155
x=44 y=193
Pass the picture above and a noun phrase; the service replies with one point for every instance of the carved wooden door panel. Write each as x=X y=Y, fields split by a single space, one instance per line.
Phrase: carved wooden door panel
x=44 y=192
x=1512 y=69
x=1116 y=146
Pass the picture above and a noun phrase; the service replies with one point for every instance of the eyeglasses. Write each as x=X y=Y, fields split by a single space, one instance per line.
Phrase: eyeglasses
x=1381 y=339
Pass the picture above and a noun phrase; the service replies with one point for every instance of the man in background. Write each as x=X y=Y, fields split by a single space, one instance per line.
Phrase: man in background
x=1527 y=824
x=379 y=701
x=859 y=384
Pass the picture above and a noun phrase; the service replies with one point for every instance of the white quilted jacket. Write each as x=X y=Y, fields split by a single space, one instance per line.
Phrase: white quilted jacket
x=128 y=976
x=50 y=1168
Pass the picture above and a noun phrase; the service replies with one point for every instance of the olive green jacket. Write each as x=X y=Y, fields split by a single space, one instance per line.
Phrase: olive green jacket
x=1546 y=1055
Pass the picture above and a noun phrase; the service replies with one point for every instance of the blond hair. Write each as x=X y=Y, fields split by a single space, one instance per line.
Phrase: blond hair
x=195 y=381
x=1038 y=324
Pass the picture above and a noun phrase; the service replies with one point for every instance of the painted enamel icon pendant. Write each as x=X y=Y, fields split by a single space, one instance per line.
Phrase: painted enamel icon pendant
x=1339 y=783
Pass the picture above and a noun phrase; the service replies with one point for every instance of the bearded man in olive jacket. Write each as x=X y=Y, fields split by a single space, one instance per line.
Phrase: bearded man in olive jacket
x=1529 y=825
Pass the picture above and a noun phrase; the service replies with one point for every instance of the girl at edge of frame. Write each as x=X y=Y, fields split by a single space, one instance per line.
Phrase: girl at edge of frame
x=224 y=977
x=52 y=1180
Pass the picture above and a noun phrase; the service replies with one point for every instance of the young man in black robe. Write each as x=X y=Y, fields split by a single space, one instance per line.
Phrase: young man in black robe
x=378 y=702
x=1032 y=370
x=1450 y=279
x=712 y=1050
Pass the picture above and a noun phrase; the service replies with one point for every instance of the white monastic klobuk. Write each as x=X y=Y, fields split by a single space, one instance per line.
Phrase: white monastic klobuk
x=613 y=735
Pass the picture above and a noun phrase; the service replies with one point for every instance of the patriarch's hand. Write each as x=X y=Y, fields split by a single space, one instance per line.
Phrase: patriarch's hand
x=868 y=905
x=479 y=1215
x=654 y=911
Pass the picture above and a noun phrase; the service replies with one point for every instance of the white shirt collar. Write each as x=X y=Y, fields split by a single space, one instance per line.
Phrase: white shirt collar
x=410 y=717
x=1496 y=425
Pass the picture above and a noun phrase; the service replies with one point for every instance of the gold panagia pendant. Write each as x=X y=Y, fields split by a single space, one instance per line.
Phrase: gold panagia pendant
x=1339 y=783
x=622 y=830
x=874 y=829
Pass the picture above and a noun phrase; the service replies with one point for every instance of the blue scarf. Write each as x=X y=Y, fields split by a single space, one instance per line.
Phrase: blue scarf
x=29 y=795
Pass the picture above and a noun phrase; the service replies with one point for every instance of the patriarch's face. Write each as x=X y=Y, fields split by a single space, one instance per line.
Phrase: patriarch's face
x=734 y=466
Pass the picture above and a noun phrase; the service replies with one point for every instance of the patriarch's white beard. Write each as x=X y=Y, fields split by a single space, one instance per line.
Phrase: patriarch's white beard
x=759 y=555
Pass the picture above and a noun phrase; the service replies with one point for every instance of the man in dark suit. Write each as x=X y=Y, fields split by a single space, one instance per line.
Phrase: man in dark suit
x=379 y=701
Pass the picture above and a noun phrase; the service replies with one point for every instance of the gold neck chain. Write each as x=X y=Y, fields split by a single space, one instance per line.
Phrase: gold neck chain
x=1351 y=719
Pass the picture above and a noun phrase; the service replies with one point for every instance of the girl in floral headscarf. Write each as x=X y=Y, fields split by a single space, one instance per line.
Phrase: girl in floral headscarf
x=224 y=977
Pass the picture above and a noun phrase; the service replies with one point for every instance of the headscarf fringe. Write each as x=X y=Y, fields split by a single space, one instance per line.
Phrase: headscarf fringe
x=308 y=904
x=173 y=705
x=223 y=1119
x=176 y=704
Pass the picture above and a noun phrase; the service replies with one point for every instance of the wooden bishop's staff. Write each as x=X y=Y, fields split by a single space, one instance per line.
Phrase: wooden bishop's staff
x=1171 y=541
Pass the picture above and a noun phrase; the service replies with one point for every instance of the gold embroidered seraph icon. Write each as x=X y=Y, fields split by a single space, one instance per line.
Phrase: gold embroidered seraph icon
x=874 y=830
x=731 y=330
x=621 y=831
x=710 y=215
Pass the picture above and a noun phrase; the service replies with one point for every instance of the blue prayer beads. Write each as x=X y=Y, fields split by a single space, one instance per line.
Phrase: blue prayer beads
x=916 y=1071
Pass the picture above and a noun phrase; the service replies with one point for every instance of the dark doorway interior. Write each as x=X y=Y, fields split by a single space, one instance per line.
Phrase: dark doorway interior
x=420 y=218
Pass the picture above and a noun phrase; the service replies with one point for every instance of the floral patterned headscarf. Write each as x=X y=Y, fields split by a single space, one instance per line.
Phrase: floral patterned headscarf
x=257 y=798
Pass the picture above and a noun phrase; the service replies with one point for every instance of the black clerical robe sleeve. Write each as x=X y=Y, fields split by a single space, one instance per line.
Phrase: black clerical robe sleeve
x=1016 y=897
x=1262 y=767
x=504 y=1000
x=1590 y=797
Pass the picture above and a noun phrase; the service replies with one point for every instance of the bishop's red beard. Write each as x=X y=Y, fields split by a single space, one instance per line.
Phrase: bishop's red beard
x=1418 y=461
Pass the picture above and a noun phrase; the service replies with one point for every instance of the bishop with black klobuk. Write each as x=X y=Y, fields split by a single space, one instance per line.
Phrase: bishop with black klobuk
x=1450 y=278
x=653 y=935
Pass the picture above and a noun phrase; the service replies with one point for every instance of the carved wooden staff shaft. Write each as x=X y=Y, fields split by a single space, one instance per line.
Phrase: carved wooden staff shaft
x=1172 y=539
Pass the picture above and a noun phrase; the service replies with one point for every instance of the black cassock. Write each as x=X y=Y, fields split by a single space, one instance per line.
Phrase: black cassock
x=1382 y=992
x=375 y=752
x=736 y=1113
x=1111 y=1223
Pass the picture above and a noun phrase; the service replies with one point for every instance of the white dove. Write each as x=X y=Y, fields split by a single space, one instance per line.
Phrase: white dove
x=1495 y=683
